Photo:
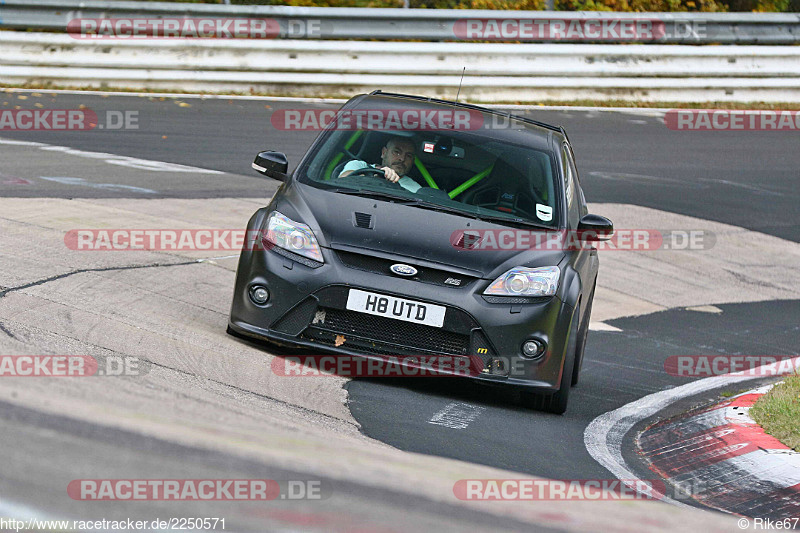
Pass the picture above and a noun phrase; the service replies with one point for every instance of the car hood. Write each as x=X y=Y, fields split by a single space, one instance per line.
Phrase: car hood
x=407 y=232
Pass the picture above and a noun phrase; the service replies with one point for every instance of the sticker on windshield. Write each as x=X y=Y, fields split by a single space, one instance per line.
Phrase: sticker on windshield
x=544 y=212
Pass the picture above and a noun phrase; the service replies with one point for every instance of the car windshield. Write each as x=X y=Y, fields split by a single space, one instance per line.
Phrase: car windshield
x=456 y=171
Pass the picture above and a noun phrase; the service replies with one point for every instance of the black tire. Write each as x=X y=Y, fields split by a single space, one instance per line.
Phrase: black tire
x=556 y=403
x=582 y=336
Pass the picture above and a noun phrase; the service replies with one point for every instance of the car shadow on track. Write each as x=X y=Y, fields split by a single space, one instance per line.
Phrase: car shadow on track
x=452 y=389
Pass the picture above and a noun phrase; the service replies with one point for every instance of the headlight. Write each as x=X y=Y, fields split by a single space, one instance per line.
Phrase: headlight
x=292 y=236
x=522 y=281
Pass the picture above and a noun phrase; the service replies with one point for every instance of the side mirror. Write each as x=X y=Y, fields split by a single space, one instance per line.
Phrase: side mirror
x=272 y=164
x=595 y=228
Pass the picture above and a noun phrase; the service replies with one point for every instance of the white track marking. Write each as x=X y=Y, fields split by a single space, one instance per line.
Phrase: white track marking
x=112 y=159
x=456 y=415
x=749 y=471
x=12 y=142
x=109 y=186
x=602 y=326
x=705 y=309
x=603 y=436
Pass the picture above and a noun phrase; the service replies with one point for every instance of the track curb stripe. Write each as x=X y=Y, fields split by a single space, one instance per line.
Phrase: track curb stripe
x=729 y=460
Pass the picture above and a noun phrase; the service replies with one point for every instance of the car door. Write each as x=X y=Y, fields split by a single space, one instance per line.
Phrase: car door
x=586 y=261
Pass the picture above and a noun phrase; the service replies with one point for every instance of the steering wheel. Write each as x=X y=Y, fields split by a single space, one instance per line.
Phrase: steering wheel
x=368 y=171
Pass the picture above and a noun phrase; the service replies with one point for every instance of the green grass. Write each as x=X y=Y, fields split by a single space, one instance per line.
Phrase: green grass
x=731 y=394
x=345 y=95
x=778 y=412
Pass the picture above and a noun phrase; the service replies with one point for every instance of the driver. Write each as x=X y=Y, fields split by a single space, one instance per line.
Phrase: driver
x=397 y=157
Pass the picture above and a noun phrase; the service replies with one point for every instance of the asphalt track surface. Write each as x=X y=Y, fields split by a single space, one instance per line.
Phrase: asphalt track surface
x=86 y=451
x=747 y=179
x=620 y=367
x=744 y=179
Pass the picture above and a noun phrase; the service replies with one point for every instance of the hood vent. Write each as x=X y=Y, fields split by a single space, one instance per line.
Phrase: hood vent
x=363 y=220
x=466 y=240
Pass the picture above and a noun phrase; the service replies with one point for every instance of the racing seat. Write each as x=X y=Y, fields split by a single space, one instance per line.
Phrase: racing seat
x=370 y=151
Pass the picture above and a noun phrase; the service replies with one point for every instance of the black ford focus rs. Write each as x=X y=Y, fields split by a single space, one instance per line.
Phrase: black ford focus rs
x=414 y=227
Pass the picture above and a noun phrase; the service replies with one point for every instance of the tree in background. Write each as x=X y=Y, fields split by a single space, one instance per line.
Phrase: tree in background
x=536 y=5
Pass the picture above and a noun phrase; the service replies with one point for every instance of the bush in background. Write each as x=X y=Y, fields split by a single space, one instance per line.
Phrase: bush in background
x=535 y=5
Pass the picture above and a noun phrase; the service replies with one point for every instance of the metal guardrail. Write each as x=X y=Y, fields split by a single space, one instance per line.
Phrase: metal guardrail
x=416 y=24
x=495 y=72
x=351 y=58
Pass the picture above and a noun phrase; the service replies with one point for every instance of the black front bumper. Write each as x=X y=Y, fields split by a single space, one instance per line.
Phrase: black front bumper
x=307 y=308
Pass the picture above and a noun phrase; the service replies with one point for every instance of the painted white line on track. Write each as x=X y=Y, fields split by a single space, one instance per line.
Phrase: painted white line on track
x=602 y=326
x=64 y=180
x=112 y=159
x=603 y=436
x=456 y=415
x=705 y=309
x=751 y=470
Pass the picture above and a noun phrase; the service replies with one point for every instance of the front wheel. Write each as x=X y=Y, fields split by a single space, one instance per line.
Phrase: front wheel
x=556 y=403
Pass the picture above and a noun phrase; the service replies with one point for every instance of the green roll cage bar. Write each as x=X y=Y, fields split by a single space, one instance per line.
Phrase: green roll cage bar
x=417 y=162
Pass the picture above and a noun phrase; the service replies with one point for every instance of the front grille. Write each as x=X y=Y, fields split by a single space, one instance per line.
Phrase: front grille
x=389 y=335
x=354 y=344
x=382 y=266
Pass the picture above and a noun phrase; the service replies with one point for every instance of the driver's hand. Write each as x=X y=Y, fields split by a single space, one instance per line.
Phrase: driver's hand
x=391 y=175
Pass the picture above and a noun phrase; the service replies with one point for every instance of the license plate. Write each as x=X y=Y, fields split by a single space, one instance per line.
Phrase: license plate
x=397 y=308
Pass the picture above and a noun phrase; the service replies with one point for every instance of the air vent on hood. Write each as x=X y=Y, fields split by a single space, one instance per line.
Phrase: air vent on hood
x=363 y=220
x=466 y=239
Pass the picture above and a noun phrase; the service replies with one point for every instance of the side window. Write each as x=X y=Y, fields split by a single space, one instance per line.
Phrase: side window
x=571 y=191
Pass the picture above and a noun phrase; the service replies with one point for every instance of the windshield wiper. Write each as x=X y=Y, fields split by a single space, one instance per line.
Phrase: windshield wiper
x=488 y=218
x=424 y=204
x=521 y=221
x=372 y=194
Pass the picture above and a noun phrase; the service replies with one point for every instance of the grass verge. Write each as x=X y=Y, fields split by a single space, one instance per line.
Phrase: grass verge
x=778 y=412
x=787 y=106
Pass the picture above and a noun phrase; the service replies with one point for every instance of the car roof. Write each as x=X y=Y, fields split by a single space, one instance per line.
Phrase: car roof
x=527 y=127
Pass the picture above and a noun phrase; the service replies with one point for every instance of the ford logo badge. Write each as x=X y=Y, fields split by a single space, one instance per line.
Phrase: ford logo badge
x=403 y=270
